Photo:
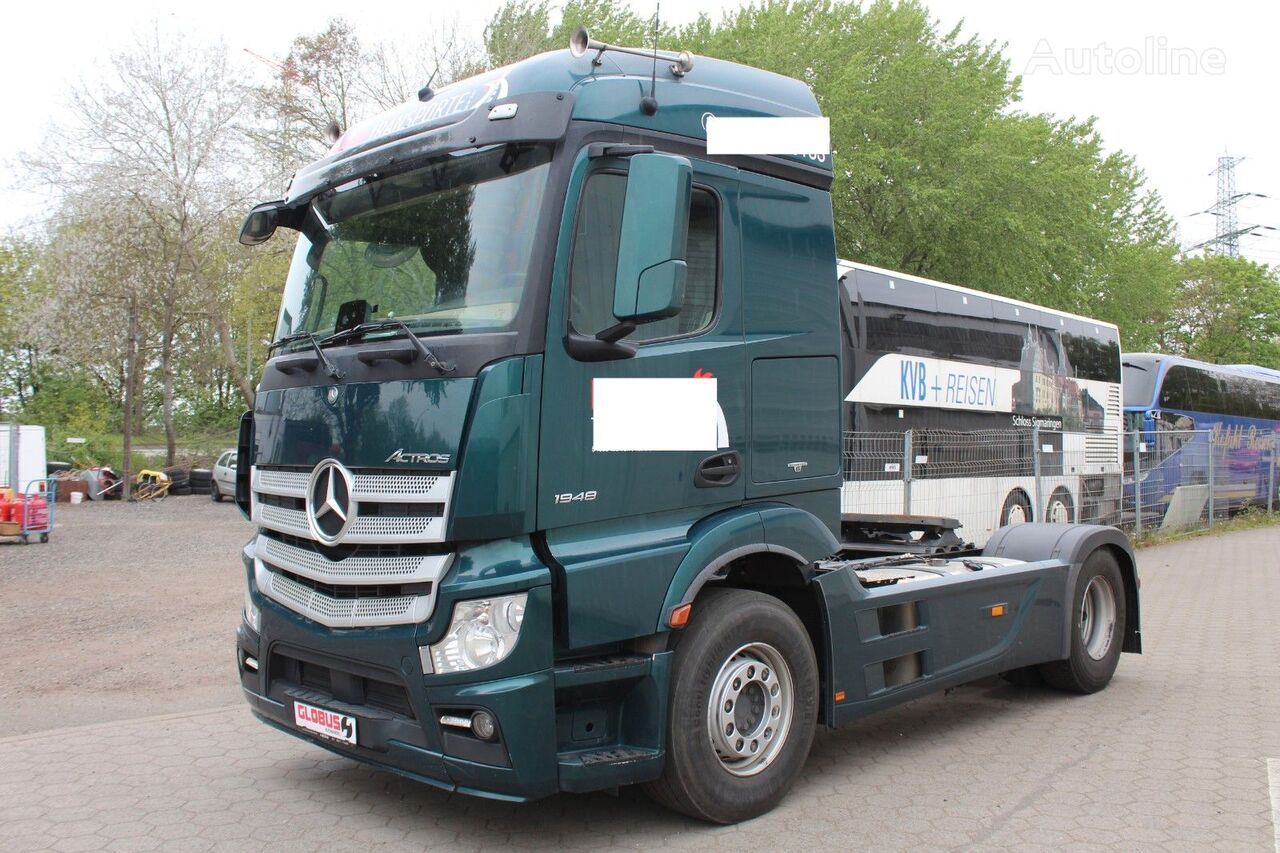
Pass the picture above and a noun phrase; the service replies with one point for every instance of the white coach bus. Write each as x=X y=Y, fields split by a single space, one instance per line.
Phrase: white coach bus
x=946 y=390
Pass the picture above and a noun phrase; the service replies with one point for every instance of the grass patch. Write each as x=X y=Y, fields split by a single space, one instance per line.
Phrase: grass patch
x=1244 y=520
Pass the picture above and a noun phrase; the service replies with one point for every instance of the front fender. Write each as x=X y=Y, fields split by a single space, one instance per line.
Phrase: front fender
x=720 y=539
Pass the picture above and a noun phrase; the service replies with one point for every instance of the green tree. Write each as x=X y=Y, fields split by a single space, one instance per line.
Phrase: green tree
x=937 y=173
x=22 y=287
x=523 y=28
x=1228 y=312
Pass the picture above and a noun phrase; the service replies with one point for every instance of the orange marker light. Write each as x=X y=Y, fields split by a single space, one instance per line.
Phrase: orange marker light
x=680 y=616
x=839 y=695
x=997 y=610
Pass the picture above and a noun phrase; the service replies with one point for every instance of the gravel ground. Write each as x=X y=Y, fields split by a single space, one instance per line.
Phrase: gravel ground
x=127 y=611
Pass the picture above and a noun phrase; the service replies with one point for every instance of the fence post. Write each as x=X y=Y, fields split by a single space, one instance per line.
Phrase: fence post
x=906 y=472
x=1035 y=472
x=1271 y=478
x=1209 y=441
x=1137 y=484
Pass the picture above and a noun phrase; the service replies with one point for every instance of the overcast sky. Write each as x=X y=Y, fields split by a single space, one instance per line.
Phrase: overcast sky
x=1175 y=84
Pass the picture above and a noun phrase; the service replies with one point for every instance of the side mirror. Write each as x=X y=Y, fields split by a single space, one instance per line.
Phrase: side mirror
x=261 y=223
x=244 y=465
x=651 y=250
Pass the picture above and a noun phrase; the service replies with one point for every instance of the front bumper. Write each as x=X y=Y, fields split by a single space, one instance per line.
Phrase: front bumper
x=383 y=743
x=375 y=675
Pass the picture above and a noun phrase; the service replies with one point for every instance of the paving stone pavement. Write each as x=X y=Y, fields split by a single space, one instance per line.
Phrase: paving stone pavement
x=1173 y=755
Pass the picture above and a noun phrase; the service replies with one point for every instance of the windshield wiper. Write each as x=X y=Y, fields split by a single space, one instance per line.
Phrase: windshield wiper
x=357 y=332
x=329 y=367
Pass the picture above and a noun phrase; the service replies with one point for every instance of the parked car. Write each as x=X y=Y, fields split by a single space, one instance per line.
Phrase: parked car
x=224 y=476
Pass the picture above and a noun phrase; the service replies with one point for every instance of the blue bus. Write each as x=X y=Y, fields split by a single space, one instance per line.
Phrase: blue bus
x=1179 y=412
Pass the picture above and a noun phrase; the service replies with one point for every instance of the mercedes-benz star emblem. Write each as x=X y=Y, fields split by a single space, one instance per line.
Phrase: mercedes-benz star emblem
x=329 y=504
x=332 y=394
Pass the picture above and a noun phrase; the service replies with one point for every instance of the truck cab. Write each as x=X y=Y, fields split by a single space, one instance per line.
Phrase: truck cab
x=554 y=417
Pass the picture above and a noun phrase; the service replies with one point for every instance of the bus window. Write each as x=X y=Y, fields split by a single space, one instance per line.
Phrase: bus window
x=1190 y=390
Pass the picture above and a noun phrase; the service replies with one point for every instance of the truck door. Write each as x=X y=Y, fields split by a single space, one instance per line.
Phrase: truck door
x=595 y=491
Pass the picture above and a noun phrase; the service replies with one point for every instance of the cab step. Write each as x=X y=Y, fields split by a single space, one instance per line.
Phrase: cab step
x=603 y=669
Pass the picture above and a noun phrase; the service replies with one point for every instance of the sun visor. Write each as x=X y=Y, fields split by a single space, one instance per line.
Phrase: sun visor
x=529 y=117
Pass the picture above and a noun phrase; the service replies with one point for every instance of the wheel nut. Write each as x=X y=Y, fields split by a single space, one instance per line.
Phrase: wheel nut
x=737 y=684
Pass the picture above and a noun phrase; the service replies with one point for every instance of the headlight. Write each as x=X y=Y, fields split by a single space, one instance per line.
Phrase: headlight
x=252 y=616
x=483 y=632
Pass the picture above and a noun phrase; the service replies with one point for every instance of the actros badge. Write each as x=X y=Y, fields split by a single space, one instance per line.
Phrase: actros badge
x=419 y=458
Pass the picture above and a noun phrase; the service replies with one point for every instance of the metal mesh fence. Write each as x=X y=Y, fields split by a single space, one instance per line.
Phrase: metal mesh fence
x=985 y=479
x=1186 y=479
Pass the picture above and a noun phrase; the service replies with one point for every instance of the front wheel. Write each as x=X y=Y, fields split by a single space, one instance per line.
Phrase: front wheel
x=1097 y=631
x=744 y=702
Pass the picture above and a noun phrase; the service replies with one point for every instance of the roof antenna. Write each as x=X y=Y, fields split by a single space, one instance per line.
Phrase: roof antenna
x=426 y=93
x=649 y=103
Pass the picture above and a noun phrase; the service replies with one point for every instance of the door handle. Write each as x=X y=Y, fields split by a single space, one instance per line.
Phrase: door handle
x=719 y=470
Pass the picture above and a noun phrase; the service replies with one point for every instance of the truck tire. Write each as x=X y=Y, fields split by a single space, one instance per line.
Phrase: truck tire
x=1097 y=631
x=742 y=709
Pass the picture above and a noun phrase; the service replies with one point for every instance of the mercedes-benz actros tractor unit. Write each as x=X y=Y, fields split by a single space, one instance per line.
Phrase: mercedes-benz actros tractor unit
x=546 y=474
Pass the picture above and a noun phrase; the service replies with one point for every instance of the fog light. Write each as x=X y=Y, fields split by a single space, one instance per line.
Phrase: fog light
x=483 y=725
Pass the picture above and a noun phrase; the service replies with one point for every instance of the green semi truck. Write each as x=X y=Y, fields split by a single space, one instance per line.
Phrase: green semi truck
x=546 y=468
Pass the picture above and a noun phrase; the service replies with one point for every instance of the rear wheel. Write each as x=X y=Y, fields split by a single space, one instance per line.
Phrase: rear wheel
x=1060 y=509
x=215 y=494
x=744 y=702
x=1016 y=509
x=1098 y=629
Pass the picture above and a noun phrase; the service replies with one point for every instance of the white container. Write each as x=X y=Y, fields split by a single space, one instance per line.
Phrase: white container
x=77 y=497
x=21 y=452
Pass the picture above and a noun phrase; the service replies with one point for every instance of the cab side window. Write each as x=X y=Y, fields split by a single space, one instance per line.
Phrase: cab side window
x=595 y=260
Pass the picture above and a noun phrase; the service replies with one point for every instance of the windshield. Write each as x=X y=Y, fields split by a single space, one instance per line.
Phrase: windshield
x=444 y=248
x=1139 y=378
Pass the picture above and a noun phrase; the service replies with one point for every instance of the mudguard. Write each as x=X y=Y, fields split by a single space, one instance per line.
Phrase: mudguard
x=1072 y=544
x=720 y=539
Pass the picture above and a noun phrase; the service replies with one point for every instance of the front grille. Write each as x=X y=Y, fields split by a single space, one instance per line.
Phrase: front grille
x=345 y=686
x=392 y=507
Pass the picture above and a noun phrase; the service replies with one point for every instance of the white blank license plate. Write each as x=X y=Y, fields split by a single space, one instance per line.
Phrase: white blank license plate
x=329 y=724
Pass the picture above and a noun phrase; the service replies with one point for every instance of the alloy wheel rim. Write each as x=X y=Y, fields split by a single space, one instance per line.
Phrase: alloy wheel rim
x=750 y=709
x=1098 y=617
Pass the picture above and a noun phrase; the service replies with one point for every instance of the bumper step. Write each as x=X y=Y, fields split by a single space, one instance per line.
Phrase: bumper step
x=595 y=769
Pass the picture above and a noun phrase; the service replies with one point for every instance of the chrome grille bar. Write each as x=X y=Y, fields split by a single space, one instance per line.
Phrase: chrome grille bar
x=342 y=612
x=410 y=568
